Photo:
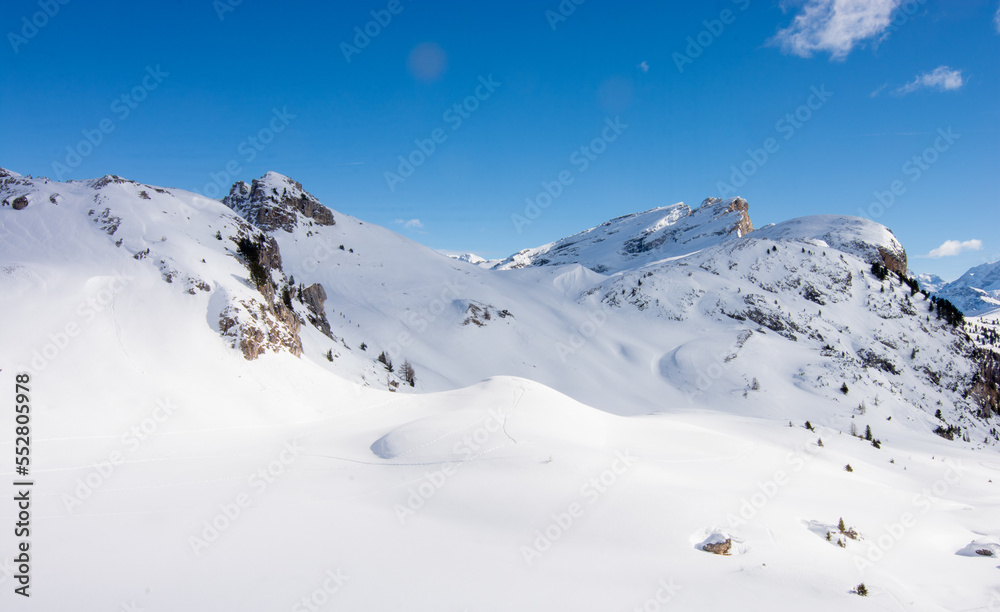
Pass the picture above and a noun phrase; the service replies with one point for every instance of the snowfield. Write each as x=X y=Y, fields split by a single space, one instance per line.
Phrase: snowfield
x=576 y=434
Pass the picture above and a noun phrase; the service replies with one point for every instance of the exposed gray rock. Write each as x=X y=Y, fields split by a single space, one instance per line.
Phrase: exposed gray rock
x=314 y=297
x=276 y=202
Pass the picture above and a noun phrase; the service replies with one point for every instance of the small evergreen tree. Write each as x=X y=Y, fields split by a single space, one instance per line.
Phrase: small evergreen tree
x=250 y=251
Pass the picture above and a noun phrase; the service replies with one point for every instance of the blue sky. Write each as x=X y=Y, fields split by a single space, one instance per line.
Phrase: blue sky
x=803 y=107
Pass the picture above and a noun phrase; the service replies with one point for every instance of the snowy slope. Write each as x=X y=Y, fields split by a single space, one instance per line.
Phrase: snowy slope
x=977 y=292
x=571 y=442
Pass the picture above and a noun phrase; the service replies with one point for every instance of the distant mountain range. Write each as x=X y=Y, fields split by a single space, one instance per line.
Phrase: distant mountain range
x=977 y=292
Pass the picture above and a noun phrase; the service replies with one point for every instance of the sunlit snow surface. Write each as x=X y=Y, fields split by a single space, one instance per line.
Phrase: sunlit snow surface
x=574 y=456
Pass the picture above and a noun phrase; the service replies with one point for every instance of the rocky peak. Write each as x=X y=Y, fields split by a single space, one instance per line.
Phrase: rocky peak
x=275 y=201
x=742 y=225
x=652 y=235
x=109 y=179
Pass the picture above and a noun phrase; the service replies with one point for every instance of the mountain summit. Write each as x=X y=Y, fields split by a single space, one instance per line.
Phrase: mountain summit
x=640 y=238
x=276 y=202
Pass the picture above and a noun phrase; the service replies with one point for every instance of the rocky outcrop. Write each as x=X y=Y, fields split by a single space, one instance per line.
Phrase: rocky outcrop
x=256 y=329
x=276 y=202
x=314 y=297
x=111 y=179
x=742 y=224
x=894 y=260
x=19 y=203
x=256 y=326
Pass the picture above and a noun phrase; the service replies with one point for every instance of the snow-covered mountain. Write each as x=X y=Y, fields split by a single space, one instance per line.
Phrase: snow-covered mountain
x=977 y=292
x=472 y=258
x=409 y=409
x=932 y=283
x=641 y=238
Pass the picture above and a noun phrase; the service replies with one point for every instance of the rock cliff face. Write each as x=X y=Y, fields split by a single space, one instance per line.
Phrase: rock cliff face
x=894 y=260
x=314 y=297
x=276 y=202
x=268 y=204
x=256 y=326
x=744 y=225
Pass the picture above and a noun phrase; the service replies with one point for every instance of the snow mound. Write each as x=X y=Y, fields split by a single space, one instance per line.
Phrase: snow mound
x=988 y=547
x=504 y=413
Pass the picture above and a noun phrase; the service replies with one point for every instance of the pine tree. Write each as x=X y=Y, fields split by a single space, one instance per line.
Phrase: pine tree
x=385 y=361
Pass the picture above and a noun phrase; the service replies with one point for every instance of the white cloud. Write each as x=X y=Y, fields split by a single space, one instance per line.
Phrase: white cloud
x=408 y=223
x=835 y=26
x=644 y=66
x=996 y=20
x=880 y=89
x=950 y=248
x=942 y=78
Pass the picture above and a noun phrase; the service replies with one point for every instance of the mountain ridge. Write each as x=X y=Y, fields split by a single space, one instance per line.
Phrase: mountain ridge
x=280 y=278
x=977 y=292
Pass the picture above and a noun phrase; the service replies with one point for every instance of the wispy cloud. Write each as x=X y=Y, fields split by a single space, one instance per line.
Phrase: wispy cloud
x=410 y=223
x=879 y=90
x=835 y=26
x=951 y=248
x=644 y=66
x=996 y=19
x=941 y=78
